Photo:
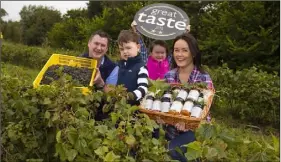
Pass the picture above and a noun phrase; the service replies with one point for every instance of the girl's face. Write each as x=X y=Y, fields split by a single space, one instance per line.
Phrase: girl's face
x=158 y=53
x=182 y=54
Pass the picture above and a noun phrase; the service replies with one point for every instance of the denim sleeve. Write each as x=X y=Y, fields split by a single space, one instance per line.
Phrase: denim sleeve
x=143 y=49
x=113 y=77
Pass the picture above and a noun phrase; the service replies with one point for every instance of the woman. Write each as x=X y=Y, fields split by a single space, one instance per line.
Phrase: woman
x=186 y=64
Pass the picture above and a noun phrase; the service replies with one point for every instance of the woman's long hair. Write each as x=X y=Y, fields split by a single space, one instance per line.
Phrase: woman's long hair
x=193 y=47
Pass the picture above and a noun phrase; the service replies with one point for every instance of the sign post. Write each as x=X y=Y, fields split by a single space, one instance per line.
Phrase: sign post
x=161 y=21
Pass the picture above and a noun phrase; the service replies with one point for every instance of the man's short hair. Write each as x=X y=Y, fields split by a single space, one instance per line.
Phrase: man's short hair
x=126 y=36
x=101 y=34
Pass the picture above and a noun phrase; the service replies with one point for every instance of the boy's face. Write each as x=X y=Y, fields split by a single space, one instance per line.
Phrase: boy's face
x=129 y=49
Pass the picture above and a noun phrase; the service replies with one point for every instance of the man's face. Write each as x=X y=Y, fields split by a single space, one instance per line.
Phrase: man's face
x=129 y=49
x=97 y=47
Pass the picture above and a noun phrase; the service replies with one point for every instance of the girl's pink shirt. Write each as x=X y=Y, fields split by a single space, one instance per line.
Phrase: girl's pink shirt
x=157 y=69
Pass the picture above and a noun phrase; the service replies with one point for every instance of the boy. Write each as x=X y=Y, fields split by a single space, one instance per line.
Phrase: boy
x=132 y=71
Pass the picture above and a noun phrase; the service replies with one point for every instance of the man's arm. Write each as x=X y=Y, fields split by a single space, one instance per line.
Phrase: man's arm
x=113 y=76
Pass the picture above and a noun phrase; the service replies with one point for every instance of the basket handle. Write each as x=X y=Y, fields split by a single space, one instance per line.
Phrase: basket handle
x=74 y=64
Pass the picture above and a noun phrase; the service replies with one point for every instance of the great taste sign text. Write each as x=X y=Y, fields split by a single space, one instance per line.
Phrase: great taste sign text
x=161 y=21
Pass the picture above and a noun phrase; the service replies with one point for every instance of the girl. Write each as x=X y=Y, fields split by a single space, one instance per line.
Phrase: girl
x=157 y=63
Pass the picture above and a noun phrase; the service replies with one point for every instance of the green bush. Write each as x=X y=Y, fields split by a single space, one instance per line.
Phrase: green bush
x=55 y=123
x=248 y=95
x=34 y=57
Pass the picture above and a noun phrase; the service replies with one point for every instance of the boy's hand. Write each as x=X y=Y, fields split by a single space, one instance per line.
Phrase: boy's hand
x=130 y=96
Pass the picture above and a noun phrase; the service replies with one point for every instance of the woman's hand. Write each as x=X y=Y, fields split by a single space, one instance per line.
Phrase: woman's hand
x=181 y=126
x=159 y=120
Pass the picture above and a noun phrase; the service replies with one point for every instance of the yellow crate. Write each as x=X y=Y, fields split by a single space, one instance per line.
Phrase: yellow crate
x=58 y=59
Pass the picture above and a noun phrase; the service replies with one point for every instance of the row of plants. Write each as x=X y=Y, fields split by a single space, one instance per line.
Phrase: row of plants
x=249 y=95
x=30 y=56
x=56 y=123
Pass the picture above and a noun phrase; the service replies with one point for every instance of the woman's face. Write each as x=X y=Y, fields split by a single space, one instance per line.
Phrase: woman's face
x=182 y=54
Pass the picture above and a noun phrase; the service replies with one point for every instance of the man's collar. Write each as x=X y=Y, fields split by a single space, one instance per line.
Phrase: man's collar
x=102 y=60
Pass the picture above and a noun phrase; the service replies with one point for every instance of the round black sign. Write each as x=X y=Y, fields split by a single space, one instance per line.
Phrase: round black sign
x=161 y=21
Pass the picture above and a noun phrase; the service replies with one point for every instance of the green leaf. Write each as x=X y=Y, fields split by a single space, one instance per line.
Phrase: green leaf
x=130 y=140
x=155 y=141
x=95 y=143
x=46 y=101
x=206 y=131
x=101 y=151
x=211 y=152
x=58 y=136
x=276 y=144
x=114 y=118
x=194 y=150
x=196 y=145
x=111 y=156
x=60 y=151
x=71 y=154
x=102 y=129
x=47 y=115
x=72 y=136
x=55 y=116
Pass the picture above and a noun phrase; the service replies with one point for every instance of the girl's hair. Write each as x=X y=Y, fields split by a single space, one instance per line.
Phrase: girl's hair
x=160 y=43
x=193 y=47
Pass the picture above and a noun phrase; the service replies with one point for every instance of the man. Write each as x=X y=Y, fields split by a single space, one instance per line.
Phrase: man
x=106 y=71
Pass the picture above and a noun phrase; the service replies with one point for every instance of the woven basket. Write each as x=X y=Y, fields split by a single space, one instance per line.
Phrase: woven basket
x=172 y=119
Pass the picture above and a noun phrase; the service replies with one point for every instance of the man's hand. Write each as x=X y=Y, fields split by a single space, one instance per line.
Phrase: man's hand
x=133 y=25
x=98 y=81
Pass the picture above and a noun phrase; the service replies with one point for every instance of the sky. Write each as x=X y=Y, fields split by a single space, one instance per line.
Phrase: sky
x=14 y=7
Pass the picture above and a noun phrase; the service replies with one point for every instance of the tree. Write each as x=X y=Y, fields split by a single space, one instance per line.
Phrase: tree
x=241 y=34
x=76 y=13
x=36 y=21
x=2 y=14
x=94 y=8
x=11 y=31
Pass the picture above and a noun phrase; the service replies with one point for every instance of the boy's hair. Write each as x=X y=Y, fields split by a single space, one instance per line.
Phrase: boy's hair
x=160 y=43
x=126 y=36
x=101 y=34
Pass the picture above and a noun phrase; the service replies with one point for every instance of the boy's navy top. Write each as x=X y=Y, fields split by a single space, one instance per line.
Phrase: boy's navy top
x=106 y=66
x=133 y=75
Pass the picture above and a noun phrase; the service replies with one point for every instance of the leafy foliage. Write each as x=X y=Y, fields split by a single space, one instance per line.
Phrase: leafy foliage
x=55 y=123
x=249 y=95
x=231 y=35
x=214 y=143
